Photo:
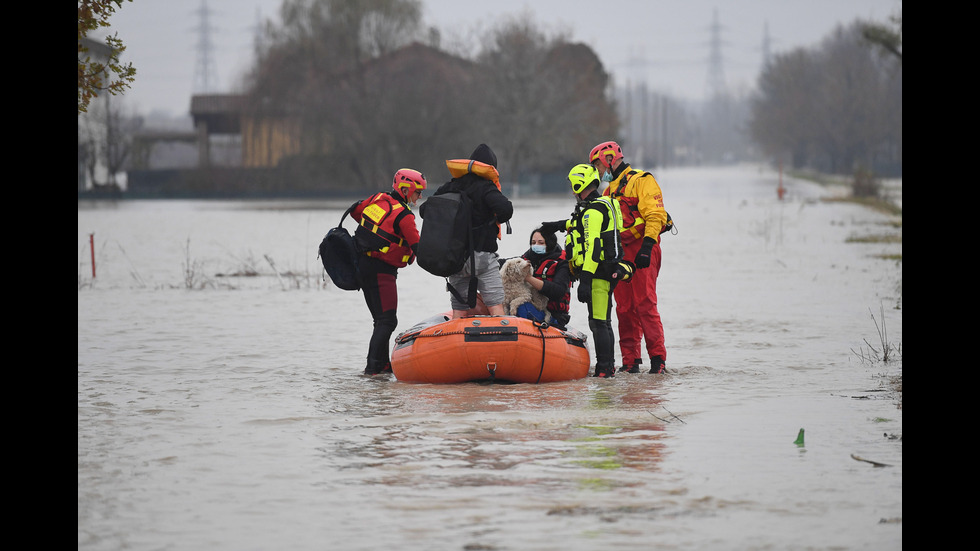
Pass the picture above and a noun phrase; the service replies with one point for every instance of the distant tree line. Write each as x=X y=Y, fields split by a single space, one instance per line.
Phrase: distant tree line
x=357 y=90
x=836 y=108
x=364 y=108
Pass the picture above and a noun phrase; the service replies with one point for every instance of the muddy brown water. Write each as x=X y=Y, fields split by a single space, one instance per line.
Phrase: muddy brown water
x=231 y=415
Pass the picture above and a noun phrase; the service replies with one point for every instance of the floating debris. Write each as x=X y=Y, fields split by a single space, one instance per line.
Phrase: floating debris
x=875 y=463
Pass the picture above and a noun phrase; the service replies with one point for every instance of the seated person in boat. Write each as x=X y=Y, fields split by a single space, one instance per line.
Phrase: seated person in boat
x=548 y=276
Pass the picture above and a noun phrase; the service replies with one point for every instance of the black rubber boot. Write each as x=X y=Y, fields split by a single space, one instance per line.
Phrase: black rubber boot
x=657 y=365
x=634 y=368
x=605 y=357
x=605 y=370
x=375 y=367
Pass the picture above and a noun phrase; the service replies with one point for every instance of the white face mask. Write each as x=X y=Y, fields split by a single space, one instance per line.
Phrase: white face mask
x=538 y=249
x=607 y=176
x=412 y=204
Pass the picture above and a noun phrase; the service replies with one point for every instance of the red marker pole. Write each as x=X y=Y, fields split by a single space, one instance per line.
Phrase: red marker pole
x=91 y=246
x=780 y=190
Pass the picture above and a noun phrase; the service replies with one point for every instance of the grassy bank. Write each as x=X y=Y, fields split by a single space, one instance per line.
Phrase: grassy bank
x=881 y=195
x=884 y=196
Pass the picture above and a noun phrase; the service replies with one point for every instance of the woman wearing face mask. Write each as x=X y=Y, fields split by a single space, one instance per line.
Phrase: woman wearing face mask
x=549 y=276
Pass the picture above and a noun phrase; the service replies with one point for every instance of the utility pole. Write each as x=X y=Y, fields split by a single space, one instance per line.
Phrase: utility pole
x=716 y=69
x=205 y=75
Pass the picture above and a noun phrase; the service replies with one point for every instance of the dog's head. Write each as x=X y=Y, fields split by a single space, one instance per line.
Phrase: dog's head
x=516 y=269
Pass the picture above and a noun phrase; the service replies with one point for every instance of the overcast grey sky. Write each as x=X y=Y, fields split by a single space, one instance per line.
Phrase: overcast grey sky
x=666 y=43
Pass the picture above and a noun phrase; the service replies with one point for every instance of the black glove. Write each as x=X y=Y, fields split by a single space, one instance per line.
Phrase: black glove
x=643 y=257
x=623 y=271
x=556 y=226
x=585 y=287
x=415 y=250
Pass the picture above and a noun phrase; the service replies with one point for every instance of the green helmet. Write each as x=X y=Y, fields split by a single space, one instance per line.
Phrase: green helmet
x=582 y=176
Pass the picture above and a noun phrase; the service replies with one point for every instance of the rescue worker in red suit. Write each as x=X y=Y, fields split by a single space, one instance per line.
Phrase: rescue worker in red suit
x=387 y=239
x=645 y=219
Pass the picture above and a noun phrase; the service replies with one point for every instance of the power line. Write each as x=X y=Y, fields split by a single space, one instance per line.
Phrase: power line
x=716 y=67
x=206 y=72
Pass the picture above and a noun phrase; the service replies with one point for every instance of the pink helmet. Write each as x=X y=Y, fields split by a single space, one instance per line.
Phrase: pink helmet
x=602 y=151
x=407 y=182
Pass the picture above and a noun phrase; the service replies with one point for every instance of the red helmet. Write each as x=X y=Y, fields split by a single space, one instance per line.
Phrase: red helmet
x=602 y=152
x=408 y=181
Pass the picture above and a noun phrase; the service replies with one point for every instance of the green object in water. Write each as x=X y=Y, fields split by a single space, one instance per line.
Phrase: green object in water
x=799 y=438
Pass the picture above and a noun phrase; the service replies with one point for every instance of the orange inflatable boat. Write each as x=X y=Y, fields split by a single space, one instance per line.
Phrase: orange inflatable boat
x=488 y=348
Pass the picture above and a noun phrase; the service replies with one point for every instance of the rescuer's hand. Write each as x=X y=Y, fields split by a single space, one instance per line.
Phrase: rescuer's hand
x=556 y=226
x=585 y=287
x=643 y=257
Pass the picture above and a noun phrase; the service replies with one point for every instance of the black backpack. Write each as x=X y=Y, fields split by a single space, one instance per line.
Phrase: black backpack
x=446 y=239
x=339 y=252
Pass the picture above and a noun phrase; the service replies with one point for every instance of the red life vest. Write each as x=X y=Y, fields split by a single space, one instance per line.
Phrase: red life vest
x=546 y=271
x=378 y=234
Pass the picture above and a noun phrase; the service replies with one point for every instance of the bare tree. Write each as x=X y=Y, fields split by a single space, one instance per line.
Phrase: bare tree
x=105 y=141
x=888 y=37
x=312 y=75
x=832 y=108
x=365 y=94
x=546 y=102
x=783 y=119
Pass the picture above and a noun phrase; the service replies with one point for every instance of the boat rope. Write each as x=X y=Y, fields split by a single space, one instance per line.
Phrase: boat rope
x=541 y=327
x=486 y=331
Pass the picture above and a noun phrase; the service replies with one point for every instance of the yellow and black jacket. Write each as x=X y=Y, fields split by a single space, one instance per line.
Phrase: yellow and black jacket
x=592 y=242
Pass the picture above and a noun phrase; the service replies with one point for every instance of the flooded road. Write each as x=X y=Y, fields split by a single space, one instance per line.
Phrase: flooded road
x=223 y=410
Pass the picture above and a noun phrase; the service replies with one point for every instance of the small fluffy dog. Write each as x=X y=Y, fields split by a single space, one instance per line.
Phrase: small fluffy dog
x=517 y=291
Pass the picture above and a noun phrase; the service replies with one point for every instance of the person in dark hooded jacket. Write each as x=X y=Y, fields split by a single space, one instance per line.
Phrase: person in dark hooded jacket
x=490 y=209
x=549 y=276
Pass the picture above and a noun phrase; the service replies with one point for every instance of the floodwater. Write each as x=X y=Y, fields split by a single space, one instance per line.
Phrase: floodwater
x=224 y=411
